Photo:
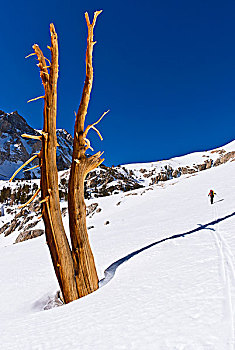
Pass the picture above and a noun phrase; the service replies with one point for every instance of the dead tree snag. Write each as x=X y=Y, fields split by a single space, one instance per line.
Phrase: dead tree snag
x=86 y=275
x=75 y=269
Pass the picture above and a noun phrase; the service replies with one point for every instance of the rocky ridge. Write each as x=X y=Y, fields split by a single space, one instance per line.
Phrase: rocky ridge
x=149 y=174
x=15 y=150
x=103 y=181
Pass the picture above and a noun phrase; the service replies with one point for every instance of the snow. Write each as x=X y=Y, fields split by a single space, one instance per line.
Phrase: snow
x=229 y=147
x=169 y=281
x=186 y=160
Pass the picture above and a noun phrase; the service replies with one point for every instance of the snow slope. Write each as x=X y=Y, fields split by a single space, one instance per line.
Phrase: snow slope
x=169 y=280
x=189 y=163
x=186 y=160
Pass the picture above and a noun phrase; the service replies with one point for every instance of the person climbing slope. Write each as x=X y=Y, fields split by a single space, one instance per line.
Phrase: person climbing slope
x=211 y=194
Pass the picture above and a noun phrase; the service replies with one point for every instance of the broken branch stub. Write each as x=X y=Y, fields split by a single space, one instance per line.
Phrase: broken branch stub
x=34 y=137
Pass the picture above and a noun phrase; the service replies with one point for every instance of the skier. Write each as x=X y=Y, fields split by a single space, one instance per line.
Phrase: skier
x=211 y=194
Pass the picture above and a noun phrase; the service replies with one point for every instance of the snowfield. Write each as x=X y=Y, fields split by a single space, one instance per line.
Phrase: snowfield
x=166 y=267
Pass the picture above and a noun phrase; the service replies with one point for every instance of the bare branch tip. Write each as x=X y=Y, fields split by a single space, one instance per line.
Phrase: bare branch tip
x=34 y=167
x=31 y=54
x=34 y=99
x=30 y=200
x=97 y=13
x=87 y=19
x=48 y=61
x=22 y=166
x=36 y=48
x=99 y=134
x=52 y=27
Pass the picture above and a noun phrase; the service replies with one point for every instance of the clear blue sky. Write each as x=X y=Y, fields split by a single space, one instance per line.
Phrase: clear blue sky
x=165 y=69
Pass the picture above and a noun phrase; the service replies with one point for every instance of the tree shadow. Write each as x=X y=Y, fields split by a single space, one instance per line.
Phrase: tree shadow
x=110 y=271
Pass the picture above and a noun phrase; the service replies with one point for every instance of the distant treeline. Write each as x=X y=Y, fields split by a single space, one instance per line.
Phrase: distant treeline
x=20 y=195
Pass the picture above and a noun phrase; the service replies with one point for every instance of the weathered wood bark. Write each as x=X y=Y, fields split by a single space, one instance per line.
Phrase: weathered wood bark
x=55 y=233
x=86 y=275
x=75 y=270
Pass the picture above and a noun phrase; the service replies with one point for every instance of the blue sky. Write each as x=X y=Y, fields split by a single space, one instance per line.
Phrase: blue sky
x=165 y=69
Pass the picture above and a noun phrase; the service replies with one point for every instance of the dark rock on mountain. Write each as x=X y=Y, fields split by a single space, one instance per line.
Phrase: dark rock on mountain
x=15 y=150
x=103 y=181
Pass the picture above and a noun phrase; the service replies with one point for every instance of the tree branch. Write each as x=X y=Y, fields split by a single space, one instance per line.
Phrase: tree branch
x=22 y=166
x=92 y=125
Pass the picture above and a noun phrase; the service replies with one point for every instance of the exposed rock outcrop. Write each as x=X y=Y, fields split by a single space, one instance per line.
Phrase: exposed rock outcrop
x=24 y=236
x=15 y=150
x=224 y=158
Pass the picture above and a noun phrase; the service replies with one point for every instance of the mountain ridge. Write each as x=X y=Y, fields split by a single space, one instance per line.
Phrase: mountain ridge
x=103 y=181
x=15 y=150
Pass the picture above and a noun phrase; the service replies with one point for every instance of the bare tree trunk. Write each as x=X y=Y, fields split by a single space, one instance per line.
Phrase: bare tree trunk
x=86 y=275
x=55 y=233
x=75 y=271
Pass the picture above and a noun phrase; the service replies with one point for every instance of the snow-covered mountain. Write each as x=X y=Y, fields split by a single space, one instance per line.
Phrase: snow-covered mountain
x=105 y=181
x=165 y=259
x=102 y=182
x=15 y=150
x=154 y=172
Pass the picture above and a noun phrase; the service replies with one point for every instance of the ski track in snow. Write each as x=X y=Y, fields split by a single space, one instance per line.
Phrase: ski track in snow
x=228 y=276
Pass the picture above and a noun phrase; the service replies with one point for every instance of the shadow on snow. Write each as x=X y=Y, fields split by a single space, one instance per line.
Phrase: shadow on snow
x=110 y=271
x=220 y=200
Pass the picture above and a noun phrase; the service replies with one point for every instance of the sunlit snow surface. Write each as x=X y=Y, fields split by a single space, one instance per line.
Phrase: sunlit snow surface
x=171 y=274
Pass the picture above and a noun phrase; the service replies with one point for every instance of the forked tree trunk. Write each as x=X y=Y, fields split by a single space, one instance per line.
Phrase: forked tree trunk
x=75 y=270
x=55 y=233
